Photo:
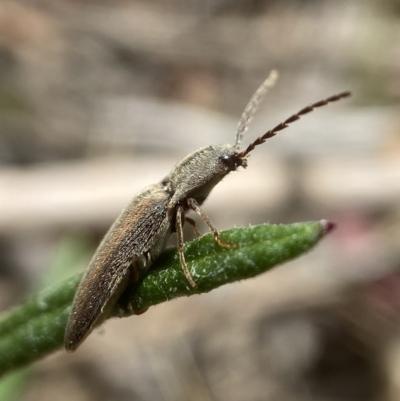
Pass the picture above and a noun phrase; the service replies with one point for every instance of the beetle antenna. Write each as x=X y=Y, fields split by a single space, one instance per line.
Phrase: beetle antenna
x=293 y=118
x=252 y=106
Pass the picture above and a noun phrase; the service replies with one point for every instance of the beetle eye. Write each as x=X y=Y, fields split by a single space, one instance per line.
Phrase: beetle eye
x=231 y=161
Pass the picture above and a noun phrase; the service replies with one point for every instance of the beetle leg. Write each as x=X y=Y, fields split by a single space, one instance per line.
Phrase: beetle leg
x=124 y=302
x=133 y=274
x=179 y=233
x=192 y=203
x=194 y=225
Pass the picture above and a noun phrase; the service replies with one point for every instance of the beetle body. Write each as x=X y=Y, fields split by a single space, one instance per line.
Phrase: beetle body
x=140 y=233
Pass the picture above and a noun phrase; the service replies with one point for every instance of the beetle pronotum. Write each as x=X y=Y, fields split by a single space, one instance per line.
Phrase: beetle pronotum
x=140 y=233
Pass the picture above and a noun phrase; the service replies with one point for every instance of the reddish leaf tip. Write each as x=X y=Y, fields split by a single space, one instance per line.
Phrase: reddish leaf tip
x=327 y=226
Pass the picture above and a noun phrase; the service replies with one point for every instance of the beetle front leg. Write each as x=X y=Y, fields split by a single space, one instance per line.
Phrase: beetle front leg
x=179 y=232
x=192 y=203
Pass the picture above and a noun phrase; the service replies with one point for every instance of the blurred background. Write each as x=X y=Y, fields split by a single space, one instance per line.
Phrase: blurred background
x=100 y=98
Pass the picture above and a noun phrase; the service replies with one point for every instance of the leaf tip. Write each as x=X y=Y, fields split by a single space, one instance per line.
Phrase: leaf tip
x=327 y=227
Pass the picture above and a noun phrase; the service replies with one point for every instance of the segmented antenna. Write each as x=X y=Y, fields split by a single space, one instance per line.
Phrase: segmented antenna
x=252 y=106
x=292 y=119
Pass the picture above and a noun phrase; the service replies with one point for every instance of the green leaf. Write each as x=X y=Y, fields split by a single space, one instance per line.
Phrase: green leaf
x=13 y=385
x=36 y=328
x=71 y=252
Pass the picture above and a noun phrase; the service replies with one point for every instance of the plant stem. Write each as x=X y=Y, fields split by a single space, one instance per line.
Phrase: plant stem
x=36 y=328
